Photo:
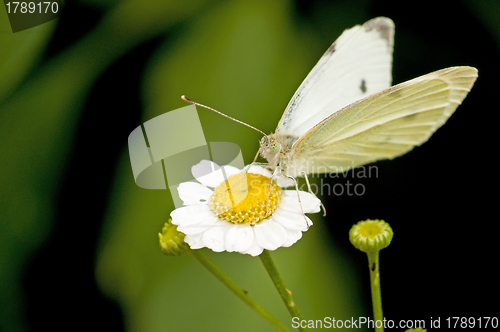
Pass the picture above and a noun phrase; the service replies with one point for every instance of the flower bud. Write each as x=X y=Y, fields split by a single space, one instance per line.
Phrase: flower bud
x=371 y=235
x=172 y=241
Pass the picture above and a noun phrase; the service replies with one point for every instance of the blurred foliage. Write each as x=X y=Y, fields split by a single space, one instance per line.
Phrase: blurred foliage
x=244 y=58
x=19 y=52
x=45 y=110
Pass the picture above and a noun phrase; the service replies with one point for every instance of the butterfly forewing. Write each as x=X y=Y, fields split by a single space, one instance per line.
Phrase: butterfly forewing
x=357 y=65
x=384 y=125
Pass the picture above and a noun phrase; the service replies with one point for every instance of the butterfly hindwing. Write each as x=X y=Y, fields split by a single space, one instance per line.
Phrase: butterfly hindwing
x=384 y=125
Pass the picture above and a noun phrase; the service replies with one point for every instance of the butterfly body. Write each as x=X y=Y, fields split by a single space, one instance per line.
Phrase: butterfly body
x=278 y=150
x=345 y=113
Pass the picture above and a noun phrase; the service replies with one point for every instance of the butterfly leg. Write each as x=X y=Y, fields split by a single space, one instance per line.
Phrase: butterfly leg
x=298 y=196
x=270 y=186
x=310 y=190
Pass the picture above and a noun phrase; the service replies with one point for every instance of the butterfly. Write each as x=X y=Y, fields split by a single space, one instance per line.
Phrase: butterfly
x=346 y=114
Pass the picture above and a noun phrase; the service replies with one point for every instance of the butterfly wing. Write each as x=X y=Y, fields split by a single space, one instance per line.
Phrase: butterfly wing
x=357 y=65
x=384 y=125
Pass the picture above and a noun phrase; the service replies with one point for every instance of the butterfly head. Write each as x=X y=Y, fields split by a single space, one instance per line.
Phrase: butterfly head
x=269 y=147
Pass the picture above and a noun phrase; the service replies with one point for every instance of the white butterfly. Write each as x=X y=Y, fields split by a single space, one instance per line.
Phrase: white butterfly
x=345 y=114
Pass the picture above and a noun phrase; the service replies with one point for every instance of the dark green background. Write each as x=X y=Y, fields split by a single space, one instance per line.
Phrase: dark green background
x=78 y=239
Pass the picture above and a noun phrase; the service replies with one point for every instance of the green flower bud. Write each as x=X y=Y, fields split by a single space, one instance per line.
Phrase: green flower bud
x=371 y=235
x=172 y=241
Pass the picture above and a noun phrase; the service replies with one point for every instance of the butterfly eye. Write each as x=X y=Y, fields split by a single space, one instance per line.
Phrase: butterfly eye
x=275 y=147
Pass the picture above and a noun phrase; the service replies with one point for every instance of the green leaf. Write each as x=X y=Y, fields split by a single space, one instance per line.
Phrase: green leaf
x=20 y=52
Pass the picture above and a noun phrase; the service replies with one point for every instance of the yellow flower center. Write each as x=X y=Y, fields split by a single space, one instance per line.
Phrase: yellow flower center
x=370 y=229
x=245 y=199
x=371 y=235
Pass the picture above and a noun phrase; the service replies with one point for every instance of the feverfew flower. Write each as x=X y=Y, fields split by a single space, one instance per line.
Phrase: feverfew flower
x=239 y=214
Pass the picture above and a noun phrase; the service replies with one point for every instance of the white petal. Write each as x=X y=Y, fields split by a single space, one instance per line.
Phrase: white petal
x=270 y=235
x=194 y=240
x=255 y=249
x=194 y=193
x=198 y=228
x=260 y=170
x=285 y=182
x=293 y=236
x=239 y=238
x=193 y=219
x=291 y=220
x=290 y=202
x=190 y=214
x=214 y=237
x=203 y=168
x=214 y=178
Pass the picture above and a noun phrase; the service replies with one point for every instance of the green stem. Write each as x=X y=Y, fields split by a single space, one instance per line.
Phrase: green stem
x=214 y=269
x=285 y=294
x=373 y=265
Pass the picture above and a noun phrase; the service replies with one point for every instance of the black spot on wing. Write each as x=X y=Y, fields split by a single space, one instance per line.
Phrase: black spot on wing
x=363 y=85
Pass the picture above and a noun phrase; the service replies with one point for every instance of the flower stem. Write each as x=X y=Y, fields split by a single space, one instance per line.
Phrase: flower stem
x=214 y=269
x=285 y=294
x=373 y=265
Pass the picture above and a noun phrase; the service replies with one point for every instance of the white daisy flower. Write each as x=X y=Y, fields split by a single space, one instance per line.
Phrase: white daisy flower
x=235 y=219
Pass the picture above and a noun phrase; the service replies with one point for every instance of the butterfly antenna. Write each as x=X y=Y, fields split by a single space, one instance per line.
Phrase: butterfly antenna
x=186 y=99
